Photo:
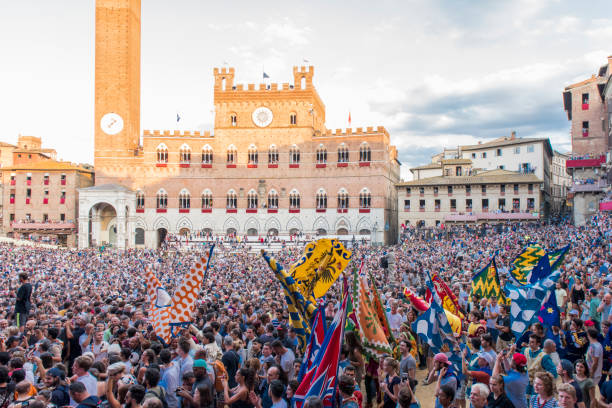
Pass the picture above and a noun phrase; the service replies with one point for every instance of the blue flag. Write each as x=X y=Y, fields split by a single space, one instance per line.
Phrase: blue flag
x=549 y=313
x=541 y=270
x=265 y=75
x=177 y=117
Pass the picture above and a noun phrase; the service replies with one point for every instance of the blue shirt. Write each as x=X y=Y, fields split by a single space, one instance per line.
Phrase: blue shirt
x=515 y=385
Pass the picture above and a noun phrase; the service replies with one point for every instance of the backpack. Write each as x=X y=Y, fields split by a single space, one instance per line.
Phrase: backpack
x=220 y=372
x=161 y=396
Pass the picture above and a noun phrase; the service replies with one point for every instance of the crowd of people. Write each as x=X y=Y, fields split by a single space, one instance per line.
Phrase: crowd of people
x=74 y=328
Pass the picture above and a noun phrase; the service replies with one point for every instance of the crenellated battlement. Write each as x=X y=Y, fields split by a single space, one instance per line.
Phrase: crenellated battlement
x=176 y=133
x=370 y=130
x=224 y=81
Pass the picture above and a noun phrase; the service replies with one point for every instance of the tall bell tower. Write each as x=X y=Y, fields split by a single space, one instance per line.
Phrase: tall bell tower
x=117 y=85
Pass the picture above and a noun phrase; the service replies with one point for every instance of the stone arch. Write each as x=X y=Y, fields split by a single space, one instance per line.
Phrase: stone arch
x=294 y=223
x=252 y=223
x=207 y=224
x=184 y=222
x=231 y=222
x=139 y=222
x=161 y=222
x=363 y=224
x=272 y=223
x=342 y=222
x=320 y=223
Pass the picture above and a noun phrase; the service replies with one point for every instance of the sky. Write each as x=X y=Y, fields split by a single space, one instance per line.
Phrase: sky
x=435 y=73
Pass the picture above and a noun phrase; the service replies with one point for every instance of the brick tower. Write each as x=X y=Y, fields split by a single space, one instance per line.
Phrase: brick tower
x=117 y=86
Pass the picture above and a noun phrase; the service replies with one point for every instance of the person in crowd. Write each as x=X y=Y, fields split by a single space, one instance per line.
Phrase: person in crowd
x=544 y=388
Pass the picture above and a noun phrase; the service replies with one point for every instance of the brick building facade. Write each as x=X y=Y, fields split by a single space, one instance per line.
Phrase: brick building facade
x=269 y=166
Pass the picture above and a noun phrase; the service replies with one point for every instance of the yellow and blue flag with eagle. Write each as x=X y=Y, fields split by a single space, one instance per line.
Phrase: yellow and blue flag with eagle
x=486 y=284
x=320 y=266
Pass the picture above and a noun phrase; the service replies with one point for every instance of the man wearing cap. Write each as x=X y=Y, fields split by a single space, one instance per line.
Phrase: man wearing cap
x=446 y=376
x=516 y=380
x=54 y=380
x=566 y=373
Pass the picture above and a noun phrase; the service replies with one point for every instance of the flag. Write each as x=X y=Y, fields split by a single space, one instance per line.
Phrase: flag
x=522 y=266
x=556 y=257
x=526 y=302
x=349 y=119
x=541 y=270
x=177 y=118
x=449 y=300
x=319 y=267
x=167 y=313
x=300 y=309
x=371 y=332
x=351 y=317
x=306 y=61
x=421 y=305
x=265 y=75
x=380 y=310
x=486 y=283
x=320 y=380
x=549 y=312
x=317 y=336
x=434 y=329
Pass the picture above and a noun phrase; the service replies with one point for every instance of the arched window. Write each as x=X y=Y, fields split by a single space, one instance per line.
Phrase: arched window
x=365 y=199
x=321 y=199
x=140 y=200
x=232 y=155
x=272 y=200
x=273 y=155
x=253 y=156
x=207 y=200
x=321 y=154
x=232 y=200
x=343 y=199
x=184 y=200
x=303 y=83
x=343 y=153
x=365 y=153
x=162 y=153
x=252 y=200
x=207 y=155
x=233 y=119
x=185 y=154
x=294 y=200
x=293 y=118
x=294 y=155
x=162 y=199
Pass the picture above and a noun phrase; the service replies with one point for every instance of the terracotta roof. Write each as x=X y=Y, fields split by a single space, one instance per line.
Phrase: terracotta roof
x=456 y=161
x=506 y=141
x=486 y=177
x=582 y=83
x=49 y=165
x=36 y=151
x=428 y=166
x=4 y=144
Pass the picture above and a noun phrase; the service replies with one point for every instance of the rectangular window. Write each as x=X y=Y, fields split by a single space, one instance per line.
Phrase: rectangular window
x=450 y=190
x=12 y=217
x=530 y=188
x=485 y=204
x=517 y=150
x=406 y=204
x=421 y=204
x=28 y=192
x=585 y=101
x=483 y=188
x=421 y=190
x=468 y=189
x=501 y=203
x=437 y=205
x=458 y=171
x=62 y=217
x=498 y=152
x=484 y=155
x=530 y=149
x=45 y=217
x=585 y=128
x=435 y=190
x=468 y=204
x=473 y=155
x=516 y=204
x=502 y=188
x=408 y=190
x=453 y=204
x=530 y=203
x=516 y=189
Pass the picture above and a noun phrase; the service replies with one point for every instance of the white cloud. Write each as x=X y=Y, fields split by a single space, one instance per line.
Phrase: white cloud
x=287 y=31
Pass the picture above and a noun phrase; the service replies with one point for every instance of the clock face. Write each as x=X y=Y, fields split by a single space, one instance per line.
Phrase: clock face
x=262 y=116
x=111 y=123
